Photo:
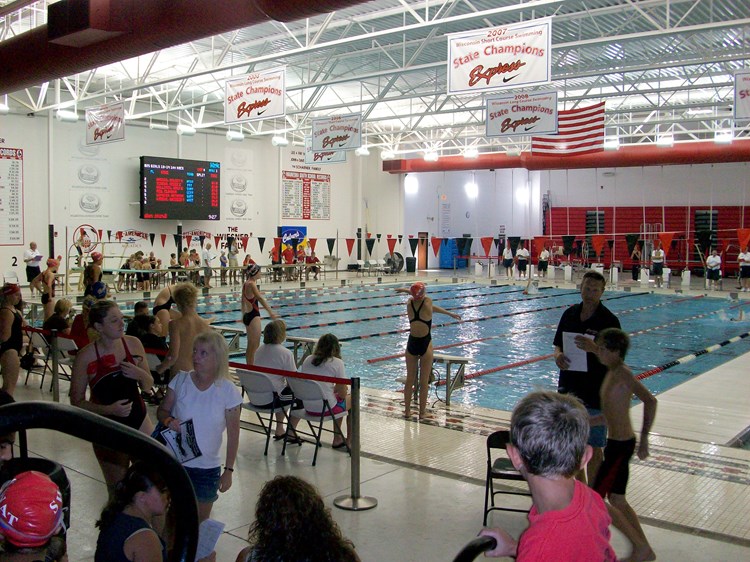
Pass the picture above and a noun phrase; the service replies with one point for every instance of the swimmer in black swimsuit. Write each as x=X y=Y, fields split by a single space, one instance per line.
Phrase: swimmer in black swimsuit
x=163 y=309
x=251 y=298
x=11 y=336
x=45 y=284
x=419 y=347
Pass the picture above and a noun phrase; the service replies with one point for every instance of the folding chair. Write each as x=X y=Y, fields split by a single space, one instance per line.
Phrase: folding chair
x=361 y=268
x=11 y=277
x=499 y=468
x=38 y=341
x=66 y=347
x=260 y=393
x=308 y=390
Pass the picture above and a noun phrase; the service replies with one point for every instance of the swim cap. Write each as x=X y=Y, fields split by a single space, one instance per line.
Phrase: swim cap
x=96 y=256
x=99 y=290
x=253 y=269
x=418 y=290
x=11 y=289
x=52 y=262
x=31 y=509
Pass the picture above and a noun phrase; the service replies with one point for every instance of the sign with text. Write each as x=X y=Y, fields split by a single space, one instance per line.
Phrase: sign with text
x=322 y=157
x=742 y=96
x=11 y=196
x=501 y=57
x=305 y=196
x=521 y=114
x=105 y=123
x=340 y=132
x=255 y=96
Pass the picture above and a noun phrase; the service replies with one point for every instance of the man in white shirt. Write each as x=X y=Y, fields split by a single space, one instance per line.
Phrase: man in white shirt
x=32 y=258
x=206 y=258
x=543 y=262
x=744 y=260
x=657 y=264
x=713 y=270
x=523 y=259
x=508 y=261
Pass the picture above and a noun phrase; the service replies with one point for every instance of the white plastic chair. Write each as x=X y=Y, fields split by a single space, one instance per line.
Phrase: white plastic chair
x=260 y=392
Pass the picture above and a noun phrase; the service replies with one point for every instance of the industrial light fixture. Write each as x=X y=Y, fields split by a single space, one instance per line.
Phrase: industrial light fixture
x=611 y=143
x=158 y=126
x=277 y=140
x=431 y=156
x=67 y=116
x=362 y=151
x=724 y=136
x=471 y=152
x=185 y=130
x=411 y=184
x=665 y=140
x=236 y=136
x=387 y=154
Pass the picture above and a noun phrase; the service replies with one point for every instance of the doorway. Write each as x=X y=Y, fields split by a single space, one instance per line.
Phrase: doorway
x=422 y=250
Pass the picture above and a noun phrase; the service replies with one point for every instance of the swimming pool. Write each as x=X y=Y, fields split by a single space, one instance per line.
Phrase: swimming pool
x=500 y=327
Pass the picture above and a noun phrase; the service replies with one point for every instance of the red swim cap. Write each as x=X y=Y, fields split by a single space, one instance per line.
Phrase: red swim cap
x=52 y=262
x=96 y=256
x=31 y=509
x=418 y=290
x=11 y=289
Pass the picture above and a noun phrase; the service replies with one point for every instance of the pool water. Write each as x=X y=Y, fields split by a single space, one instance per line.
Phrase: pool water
x=500 y=327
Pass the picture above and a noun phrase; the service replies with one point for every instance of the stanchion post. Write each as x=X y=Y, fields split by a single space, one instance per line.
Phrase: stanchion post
x=355 y=502
x=55 y=367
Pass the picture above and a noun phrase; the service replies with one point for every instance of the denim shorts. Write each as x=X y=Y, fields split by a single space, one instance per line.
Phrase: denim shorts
x=205 y=483
x=597 y=433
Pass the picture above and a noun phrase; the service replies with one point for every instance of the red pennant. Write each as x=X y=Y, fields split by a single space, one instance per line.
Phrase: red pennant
x=389 y=235
x=369 y=234
x=312 y=241
x=666 y=241
x=277 y=244
x=350 y=245
x=391 y=244
x=163 y=240
x=436 y=244
x=244 y=239
x=597 y=241
x=486 y=244
x=539 y=244
x=100 y=232
x=188 y=239
x=217 y=239
x=118 y=235
x=411 y=236
x=743 y=235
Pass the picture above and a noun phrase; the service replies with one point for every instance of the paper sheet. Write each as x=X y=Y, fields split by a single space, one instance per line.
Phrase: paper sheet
x=208 y=535
x=576 y=356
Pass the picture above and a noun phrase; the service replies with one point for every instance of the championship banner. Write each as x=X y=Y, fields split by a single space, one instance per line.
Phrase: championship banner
x=521 y=114
x=323 y=157
x=501 y=57
x=340 y=132
x=255 y=96
x=105 y=123
x=742 y=96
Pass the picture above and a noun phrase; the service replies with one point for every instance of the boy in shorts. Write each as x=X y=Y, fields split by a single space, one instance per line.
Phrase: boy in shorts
x=616 y=392
x=568 y=521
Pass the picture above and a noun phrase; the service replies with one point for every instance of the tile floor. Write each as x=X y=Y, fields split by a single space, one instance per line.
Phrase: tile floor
x=692 y=494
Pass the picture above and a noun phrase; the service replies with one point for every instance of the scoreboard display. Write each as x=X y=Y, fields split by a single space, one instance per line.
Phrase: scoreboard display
x=178 y=189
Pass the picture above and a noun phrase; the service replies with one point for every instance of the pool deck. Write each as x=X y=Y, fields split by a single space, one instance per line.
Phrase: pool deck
x=692 y=494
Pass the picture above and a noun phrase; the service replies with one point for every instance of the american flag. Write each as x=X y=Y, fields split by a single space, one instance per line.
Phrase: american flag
x=579 y=131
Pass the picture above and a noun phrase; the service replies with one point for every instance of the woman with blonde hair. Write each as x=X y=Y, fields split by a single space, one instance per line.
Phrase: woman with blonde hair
x=199 y=406
x=59 y=319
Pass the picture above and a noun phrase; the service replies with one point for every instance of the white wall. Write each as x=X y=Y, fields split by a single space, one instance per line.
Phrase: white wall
x=109 y=174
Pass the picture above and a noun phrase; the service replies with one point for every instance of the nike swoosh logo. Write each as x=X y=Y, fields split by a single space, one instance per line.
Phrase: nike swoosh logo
x=261 y=112
x=528 y=128
x=509 y=79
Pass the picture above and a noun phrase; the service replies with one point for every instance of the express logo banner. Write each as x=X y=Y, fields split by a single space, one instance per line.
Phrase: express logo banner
x=105 y=123
x=340 y=132
x=742 y=96
x=322 y=157
x=521 y=114
x=502 y=57
x=255 y=96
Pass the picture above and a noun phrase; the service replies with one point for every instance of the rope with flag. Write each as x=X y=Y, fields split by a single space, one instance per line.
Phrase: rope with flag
x=579 y=131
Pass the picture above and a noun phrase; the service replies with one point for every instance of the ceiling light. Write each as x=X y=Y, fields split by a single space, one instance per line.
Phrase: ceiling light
x=4 y=109
x=612 y=143
x=472 y=190
x=362 y=151
x=471 y=152
x=665 y=140
x=279 y=141
x=67 y=116
x=387 y=154
x=185 y=130
x=237 y=136
x=431 y=156
x=411 y=185
x=724 y=136
x=158 y=127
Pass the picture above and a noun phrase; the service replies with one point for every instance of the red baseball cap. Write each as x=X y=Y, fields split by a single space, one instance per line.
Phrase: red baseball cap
x=31 y=509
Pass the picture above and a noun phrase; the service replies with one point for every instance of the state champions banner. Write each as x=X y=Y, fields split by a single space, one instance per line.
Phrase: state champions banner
x=255 y=96
x=501 y=57
x=742 y=96
x=521 y=114
x=105 y=123
x=324 y=157
x=339 y=132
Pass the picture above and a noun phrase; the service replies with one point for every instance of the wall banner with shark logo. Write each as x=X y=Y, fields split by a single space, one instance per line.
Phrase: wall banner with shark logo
x=340 y=132
x=324 y=157
x=105 y=123
x=255 y=96
x=509 y=56
x=521 y=114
